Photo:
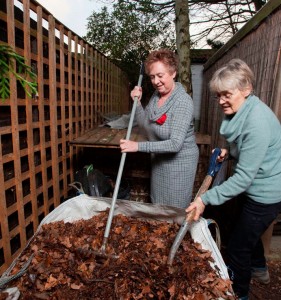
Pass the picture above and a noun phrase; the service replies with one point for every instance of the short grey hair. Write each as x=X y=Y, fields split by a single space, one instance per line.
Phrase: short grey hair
x=236 y=74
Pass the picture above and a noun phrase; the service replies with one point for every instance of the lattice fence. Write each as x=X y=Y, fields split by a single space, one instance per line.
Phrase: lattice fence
x=76 y=86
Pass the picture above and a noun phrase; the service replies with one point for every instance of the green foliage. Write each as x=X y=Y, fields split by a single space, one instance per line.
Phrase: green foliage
x=128 y=32
x=12 y=63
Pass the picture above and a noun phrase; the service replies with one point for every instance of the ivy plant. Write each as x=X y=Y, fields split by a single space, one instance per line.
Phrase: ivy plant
x=13 y=63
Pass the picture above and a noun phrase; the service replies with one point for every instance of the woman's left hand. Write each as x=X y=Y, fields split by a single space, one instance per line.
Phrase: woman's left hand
x=223 y=155
x=128 y=146
x=199 y=207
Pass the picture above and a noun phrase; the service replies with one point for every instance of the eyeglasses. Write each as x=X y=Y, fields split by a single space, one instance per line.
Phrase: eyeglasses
x=223 y=97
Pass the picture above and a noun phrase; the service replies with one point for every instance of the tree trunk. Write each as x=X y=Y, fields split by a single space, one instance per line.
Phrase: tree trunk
x=183 y=43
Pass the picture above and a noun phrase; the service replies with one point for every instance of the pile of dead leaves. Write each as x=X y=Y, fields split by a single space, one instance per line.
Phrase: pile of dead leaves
x=67 y=265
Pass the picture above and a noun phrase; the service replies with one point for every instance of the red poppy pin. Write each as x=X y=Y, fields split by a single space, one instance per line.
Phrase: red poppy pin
x=161 y=120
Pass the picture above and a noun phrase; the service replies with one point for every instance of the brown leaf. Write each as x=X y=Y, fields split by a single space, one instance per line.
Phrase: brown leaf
x=76 y=286
x=157 y=242
x=66 y=242
x=172 y=290
x=146 y=289
x=118 y=230
x=51 y=282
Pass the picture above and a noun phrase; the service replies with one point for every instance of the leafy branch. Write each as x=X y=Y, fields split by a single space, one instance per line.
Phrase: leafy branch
x=13 y=63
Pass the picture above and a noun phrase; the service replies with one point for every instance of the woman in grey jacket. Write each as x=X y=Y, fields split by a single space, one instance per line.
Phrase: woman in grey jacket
x=168 y=123
x=253 y=133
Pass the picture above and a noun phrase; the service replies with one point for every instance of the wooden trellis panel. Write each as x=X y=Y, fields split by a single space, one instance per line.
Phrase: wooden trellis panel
x=76 y=85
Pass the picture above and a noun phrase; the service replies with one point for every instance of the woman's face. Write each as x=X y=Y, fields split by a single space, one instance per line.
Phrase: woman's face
x=231 y=100
x=161 y=77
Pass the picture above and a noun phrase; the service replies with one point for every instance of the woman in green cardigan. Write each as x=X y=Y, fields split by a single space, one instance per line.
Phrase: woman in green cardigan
x=253 y=133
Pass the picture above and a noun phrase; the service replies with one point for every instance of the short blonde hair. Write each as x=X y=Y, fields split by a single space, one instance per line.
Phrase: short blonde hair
x=165 y=56
x=236 y=74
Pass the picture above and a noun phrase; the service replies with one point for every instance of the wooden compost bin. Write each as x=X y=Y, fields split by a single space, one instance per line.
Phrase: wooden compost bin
x=101 y=147
x=76 y=86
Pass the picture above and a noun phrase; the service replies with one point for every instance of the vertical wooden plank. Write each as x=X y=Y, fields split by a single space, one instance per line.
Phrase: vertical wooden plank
x=5 y=239
x=111 y=86
x=122 y=110
x=82 y=86
x=116 y=89
x=102 y=85
x=91 y=65
x=126 y=92
x=70 y=101
x=29 y=121
x=62 y=105
x=96 y=86
x=121 y=105
x=115 y=108
x=106 y=84
x=53 y=111
x=99 y=88
x=41 y=108
x=15 y=135
x=100 y=110
x=76 y=102
x=97 y=78
x=87 y=77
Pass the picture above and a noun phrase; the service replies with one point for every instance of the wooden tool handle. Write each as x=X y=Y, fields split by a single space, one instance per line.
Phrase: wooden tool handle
x=204 y=186
x=191 y=216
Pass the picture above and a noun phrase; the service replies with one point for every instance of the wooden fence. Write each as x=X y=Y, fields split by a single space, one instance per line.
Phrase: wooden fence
x=76 y=86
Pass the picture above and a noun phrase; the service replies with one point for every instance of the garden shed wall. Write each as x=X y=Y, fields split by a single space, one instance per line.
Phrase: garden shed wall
x=258 y=43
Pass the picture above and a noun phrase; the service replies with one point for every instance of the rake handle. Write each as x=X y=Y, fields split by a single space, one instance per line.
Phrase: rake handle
x=120 y=170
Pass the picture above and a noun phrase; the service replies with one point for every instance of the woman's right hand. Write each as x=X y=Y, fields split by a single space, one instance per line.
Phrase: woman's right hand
x=136 y=92
x=128 y=146
x=197 y=207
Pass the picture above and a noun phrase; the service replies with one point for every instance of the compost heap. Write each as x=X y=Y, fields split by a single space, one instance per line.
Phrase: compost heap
x=65 y=263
